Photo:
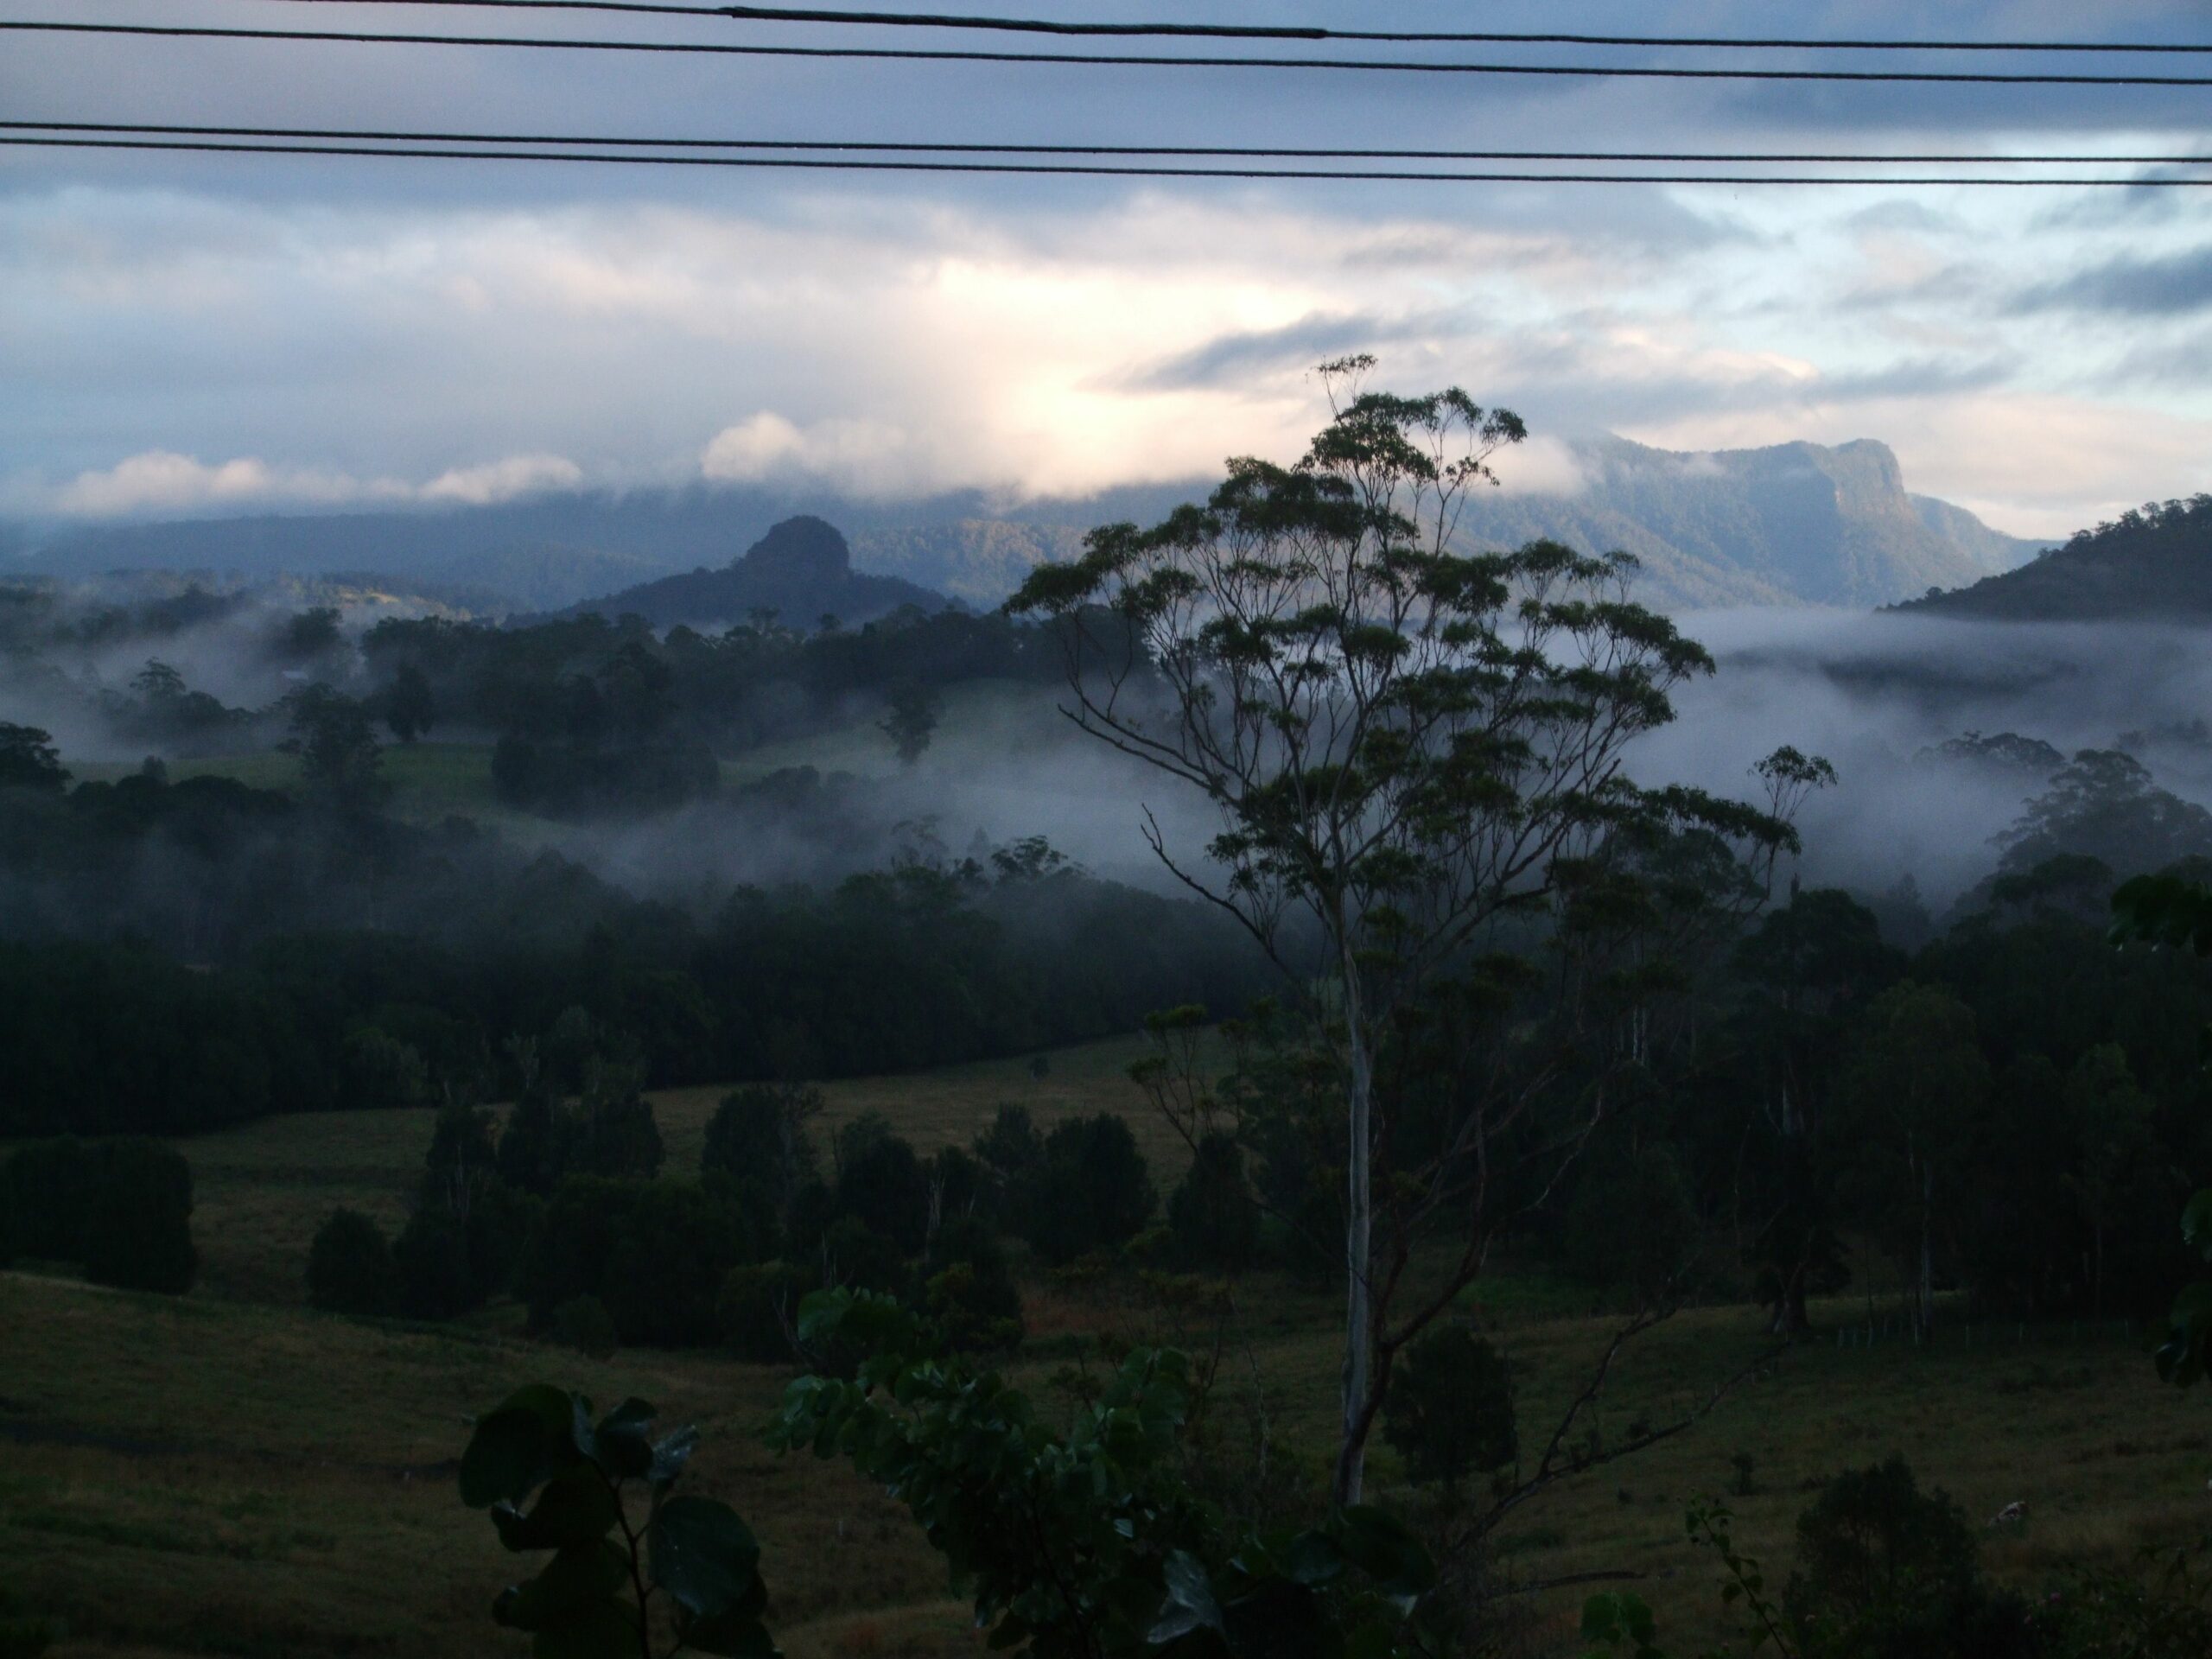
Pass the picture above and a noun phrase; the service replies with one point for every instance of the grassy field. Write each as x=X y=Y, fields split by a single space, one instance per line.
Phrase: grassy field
x=233 y=1473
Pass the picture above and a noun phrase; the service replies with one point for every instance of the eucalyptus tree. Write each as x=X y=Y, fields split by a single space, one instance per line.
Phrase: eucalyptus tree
x=1406 y=741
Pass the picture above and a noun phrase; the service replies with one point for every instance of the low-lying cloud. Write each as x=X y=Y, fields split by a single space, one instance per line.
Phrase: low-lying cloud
x=163 y=482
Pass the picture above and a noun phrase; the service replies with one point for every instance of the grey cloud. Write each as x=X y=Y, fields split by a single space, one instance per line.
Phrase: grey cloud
x=1229 y=358
x=1913 y=377
x=2176 y=285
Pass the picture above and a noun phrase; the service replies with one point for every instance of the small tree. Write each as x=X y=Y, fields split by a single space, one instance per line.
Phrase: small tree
x=1873 y=1544
x=913 y=719
x=1212 y=1214
x=758 y=1139
x=881 y=1182
x=1092 y=1192
x=28 y=759
x=1405 y=741
x=409 y=707
x=138 y=1224
x=1450 y=1410
x=350 y=1267
x=341 y=760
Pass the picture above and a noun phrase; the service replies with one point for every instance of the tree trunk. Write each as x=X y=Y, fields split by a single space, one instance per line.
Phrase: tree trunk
x=1359 y=1310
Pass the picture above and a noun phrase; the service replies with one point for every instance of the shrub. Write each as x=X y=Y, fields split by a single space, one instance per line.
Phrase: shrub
x=758 y=1138
x=527 y=1145
x=582 y=1322
x=45 y=1189
x=1449 y=1411
x=1092 y=1192
x=654 y=1254
x=612 y=1132
x=139 y=1224
x=350 y=1267
x=1011 y=1150
x=1632 y=1225
x=759 y=1309
x=1877 y=1554
x=881 y=1182
x=1212 y=1214
x=856 y=1257
x=970 y=1292
x=453 y=1260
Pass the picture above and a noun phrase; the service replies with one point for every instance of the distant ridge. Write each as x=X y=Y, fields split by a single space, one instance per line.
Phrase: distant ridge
x=1793 y=523
x=802 y=570
x=2154 y=564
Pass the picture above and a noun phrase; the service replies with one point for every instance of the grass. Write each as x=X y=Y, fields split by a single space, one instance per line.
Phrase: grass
x=232 y=1473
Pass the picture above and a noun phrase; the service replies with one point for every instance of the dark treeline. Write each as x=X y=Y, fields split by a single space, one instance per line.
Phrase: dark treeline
x=174 y=956
x=2011 y=1112
x=594 y=717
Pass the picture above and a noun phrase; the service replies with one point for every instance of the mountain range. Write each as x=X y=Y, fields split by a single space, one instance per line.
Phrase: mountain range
x=1794 y=524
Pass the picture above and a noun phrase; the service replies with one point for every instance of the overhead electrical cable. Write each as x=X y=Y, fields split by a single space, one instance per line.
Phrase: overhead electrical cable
x=941 y=54
x=885 y=165
x=1271 y=31
x=1732 y=158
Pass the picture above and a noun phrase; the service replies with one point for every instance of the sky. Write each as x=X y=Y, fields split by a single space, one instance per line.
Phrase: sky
x=185 y=334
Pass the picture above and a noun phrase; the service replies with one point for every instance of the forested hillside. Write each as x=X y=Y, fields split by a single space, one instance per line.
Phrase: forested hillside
x=2153 y=565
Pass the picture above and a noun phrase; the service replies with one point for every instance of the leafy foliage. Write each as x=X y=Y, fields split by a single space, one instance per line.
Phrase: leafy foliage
x=687 y=1575
x=121 y=1210
x=1088 y=1542
x=1449 y=1413
x=350 y=1267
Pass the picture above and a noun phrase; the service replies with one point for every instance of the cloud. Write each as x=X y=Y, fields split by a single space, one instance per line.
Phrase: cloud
x=1541 y=466
x=1913 y=377
x=2176 y=285
x=504 y=481
x=163 y=482
x=866 y=458
x=1240 y=357
x=160 y=480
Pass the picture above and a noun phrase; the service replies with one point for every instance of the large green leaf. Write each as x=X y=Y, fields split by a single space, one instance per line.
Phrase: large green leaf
x=570 y=1585
x=704 y=1556
x=1282 y=1620
x=608 y=1631
x=2186 y=1354
x=517 y=1447
x=2197 y=1222
x=671 y=1453
x=576 y=1506
x=624 y=1441
x=1385 y=1548
x=1191 y=1604
x=738 y=1634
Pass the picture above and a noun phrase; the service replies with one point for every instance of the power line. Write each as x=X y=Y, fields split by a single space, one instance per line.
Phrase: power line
x=1733 y=158
x=812 y=164
x=1638 y=72
x=1272 y=31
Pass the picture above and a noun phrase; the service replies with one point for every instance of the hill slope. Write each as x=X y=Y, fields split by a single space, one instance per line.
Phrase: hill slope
x=2152 y=565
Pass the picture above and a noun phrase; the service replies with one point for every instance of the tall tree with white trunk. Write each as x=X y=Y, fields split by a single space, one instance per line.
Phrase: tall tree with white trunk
x=1407 y=741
